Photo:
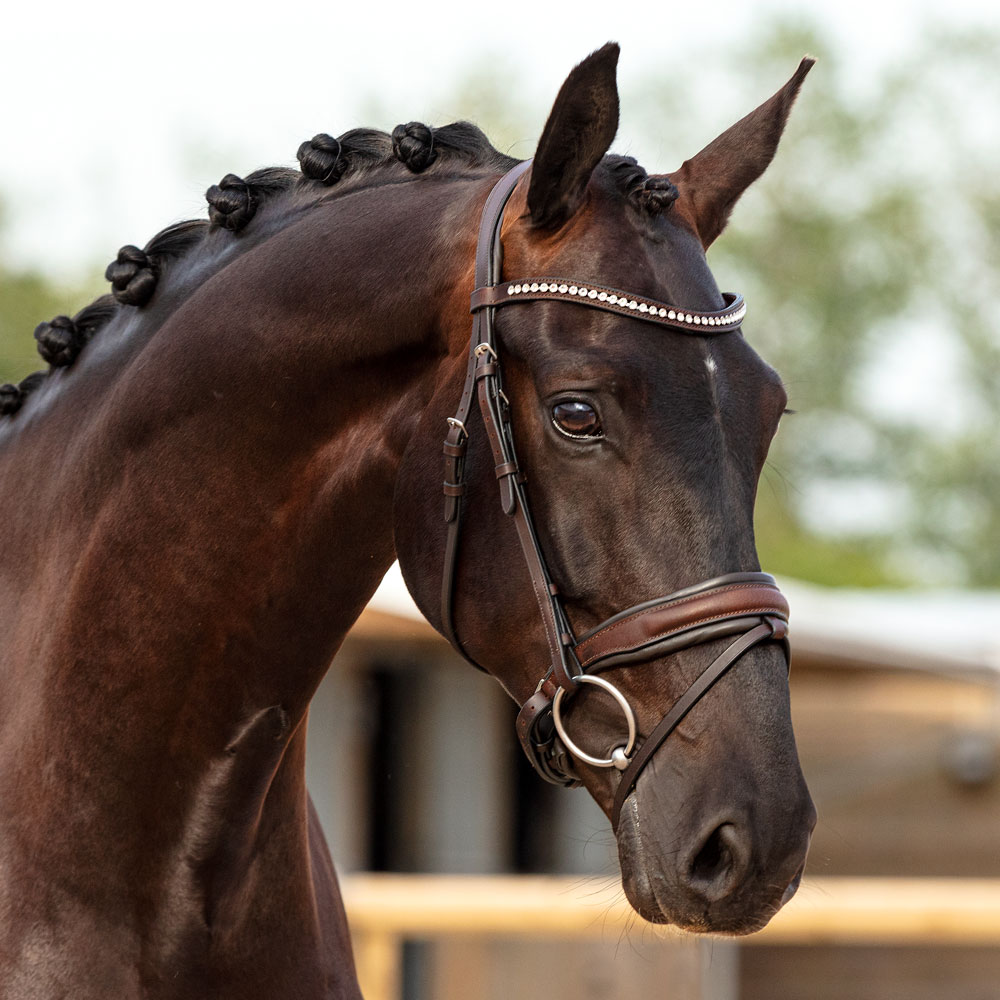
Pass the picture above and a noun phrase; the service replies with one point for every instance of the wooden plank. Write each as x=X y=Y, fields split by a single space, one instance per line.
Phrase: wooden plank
x=385 y=626
x=928 y=972
x=502 y=968
x=889 y=911
x=433 y=905
x=378 y=958
x=825 y=911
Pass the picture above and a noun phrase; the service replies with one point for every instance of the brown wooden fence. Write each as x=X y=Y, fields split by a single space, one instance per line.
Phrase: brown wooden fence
x=386 y=910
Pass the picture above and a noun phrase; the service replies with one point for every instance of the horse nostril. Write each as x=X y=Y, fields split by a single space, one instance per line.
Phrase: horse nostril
x=717 y=867
x=713 y=859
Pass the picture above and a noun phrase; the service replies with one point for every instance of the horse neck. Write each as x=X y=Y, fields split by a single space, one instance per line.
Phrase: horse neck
x=231 y=499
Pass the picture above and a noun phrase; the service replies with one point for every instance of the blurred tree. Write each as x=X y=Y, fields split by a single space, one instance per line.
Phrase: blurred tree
x=870 y=257
x=26 y=299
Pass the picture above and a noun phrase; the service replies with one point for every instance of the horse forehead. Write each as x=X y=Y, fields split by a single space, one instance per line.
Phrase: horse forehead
x=680 y=266
x=611 y=243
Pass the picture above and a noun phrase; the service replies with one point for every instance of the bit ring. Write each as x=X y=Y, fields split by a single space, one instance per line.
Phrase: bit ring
x=619 y=755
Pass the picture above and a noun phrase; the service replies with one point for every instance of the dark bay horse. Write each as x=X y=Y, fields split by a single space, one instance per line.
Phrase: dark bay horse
x=226 y=455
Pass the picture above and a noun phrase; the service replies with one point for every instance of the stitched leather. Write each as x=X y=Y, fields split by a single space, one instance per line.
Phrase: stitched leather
x=677 y=615
x=483 y=379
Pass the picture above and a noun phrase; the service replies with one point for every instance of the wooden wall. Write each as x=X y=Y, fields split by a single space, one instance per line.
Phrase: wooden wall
x=903 y=769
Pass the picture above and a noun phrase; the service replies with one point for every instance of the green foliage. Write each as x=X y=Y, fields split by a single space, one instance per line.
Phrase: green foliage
x=872 y=286
x=25 y=300
x=787 y=548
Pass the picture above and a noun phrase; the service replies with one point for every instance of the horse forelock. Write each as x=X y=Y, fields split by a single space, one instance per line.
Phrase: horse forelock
x=650 y=194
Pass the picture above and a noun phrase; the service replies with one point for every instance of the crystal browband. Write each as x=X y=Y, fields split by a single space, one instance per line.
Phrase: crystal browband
x=613 y=300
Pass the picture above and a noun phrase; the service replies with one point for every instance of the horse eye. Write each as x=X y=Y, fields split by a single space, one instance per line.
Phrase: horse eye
x=577 y=419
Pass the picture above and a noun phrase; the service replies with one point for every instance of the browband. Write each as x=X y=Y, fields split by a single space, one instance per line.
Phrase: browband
x=613 y=300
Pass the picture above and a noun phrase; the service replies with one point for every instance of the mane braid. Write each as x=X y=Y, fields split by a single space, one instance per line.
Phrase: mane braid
x=91 y=318
x=177 y=239
x=651 y=195
x=364 y=148
x=31 y=382
x=468 y=144
x=628 y=176
x=136 y=274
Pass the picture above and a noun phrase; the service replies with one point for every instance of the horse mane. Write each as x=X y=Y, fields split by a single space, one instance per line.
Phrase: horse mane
x=328 y=167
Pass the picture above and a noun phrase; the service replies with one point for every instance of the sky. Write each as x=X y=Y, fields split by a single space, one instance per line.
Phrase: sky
x=115 y=119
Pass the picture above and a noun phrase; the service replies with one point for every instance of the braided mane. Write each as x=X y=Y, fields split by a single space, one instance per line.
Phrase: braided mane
x=329 y=166
x=345 y=161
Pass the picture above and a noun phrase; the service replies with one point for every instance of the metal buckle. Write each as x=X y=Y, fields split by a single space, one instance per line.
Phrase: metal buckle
x=458 y=425
x=619 y=755
x=484 y=348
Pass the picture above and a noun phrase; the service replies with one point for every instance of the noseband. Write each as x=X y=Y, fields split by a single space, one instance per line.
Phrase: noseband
x=747 y=605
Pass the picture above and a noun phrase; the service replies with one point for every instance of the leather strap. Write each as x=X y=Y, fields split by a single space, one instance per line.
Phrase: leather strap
x=489 y=254
x=765 y=630
x=741 y=601
x=483 y=370
x=483 y=378
x=539 y=741
x=672 y=615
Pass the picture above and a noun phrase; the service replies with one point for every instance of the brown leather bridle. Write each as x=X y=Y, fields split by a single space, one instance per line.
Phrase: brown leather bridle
x=748 y=605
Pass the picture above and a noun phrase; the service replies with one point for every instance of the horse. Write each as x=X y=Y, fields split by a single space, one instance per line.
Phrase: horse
x=229 y=450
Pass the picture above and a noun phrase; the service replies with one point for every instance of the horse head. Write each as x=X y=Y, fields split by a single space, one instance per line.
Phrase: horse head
x=626 y=441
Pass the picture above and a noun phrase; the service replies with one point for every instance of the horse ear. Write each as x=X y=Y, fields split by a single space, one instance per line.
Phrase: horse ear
x=579 y=131
x=710 y=183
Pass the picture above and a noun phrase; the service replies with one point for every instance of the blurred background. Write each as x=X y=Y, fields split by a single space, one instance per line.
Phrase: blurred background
x=869 y=255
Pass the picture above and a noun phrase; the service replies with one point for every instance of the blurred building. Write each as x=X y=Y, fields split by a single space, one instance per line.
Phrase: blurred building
x=414 y=767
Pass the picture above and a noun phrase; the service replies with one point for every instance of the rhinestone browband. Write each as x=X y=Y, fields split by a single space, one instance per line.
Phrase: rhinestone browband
x=616 y=301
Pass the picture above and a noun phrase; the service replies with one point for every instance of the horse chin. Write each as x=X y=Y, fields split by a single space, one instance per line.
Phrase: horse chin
x=657 y=894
